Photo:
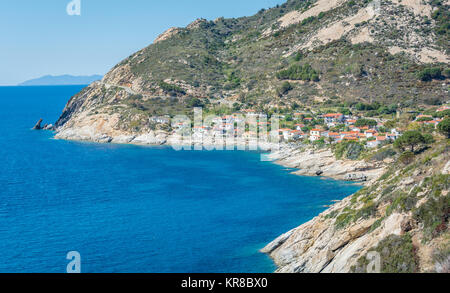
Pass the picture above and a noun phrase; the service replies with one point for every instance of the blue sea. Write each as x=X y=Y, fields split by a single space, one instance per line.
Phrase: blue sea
x=138 y=209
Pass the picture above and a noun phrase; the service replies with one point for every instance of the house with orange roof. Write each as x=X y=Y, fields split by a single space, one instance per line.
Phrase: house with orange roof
x=443 y=108
x=351 y=138
x=370 y=133
x=432 y=122
x=285 y=133
x=335 y=136
x=350 y=122
x=315 y=134
x=296 y=134
x=333 y=118
x=423 y=116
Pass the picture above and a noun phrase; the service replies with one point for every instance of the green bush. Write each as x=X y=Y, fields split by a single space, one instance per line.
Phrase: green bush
x=348 y=150
x=285 y=88
x=397 y=256
x=383 y=154
x=365 y=122
x=434 y=215
x=430 y=73
x=444 y=127
x=171 y=88
x=406 y=158
x=299 y=72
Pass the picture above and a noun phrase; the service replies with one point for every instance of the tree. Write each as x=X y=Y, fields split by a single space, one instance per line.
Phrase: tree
x=194 y=102
x=431 y=73
x=442 y=114
x=411 y=139
x=365 y=122
x=444 y=127
x=424 y=119
x=285 y=88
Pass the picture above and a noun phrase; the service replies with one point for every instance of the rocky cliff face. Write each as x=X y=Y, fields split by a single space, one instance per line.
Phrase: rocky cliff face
x=402 y=215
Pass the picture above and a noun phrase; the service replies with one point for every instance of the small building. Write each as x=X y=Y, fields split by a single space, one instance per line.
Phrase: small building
x=333 y=118
x=443 y=108
x=350 y=122
x=424 y=116
x=370 y=133
x=315 y=134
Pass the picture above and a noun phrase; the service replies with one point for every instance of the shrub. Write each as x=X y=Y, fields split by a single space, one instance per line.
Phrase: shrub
x=430 y=73
x=285 y=88
x=365 y=122
x=425 y=119
x=434 y=215
x=444 y=127
x=443 y=114
x=397 y=255
x=171 y=88
x=383 y=154
x=406 y=158
x=194 y=102
x=348 y=149
x=299 y=72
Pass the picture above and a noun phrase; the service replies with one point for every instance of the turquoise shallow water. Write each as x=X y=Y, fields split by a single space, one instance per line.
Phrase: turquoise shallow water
x=138 y=209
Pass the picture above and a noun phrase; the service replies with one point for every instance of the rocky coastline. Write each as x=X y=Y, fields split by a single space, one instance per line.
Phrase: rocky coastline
x=319 y=246
x=306 y=160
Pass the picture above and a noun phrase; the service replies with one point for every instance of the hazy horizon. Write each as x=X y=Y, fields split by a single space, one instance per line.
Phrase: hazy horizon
x=41 y=39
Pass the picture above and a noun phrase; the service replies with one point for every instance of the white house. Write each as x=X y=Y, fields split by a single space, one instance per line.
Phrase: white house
x=333 y=118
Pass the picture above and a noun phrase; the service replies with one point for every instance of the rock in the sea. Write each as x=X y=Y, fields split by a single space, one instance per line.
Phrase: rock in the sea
x=38 y=125
x=48 y=127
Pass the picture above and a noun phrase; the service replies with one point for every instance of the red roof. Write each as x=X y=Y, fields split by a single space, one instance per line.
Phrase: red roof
x=333 y=115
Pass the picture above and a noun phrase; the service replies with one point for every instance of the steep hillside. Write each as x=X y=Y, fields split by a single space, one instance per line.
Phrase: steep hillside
x=403 y=216
x=357 y=50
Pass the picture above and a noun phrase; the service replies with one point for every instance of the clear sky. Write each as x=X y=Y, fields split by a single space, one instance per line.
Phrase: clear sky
x=39 y=37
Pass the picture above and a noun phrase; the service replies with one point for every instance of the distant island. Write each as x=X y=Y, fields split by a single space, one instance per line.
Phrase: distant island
x=61 y=80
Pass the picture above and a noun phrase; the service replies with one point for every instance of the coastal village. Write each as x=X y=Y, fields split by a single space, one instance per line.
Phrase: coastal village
x=309 y=127
x=361 y=90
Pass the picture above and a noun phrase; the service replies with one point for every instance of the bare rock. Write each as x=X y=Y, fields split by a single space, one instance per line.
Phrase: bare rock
x=38 y=125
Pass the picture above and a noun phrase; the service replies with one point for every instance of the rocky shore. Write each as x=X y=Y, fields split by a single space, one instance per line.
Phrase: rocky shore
x=377 y=218
x=322 y=162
